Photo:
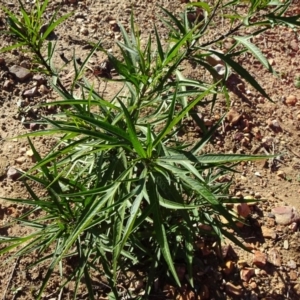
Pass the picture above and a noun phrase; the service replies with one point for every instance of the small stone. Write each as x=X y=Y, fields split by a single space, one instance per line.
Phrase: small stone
x=292 y=264
x=31 y=92
x=233 y=289
x=13 y=173
x=296 y=289
x=286 y=244
x=242 y=209
x=293 y=226
x=291 y=100
x=253 y=285
x=263 y=273
x=29 y=153
x=228 y=267
x=84 y=31
x=20 y=72
x=7 y=84
x=259 y=259
x=43 y=89
x=221 y=70
x=274 y=125
x=285 y=215
x=268 y=232
x=281 y=174
x=3 y=165
x=293 y=275
x=274 y=257
x=33 y=126
x=294 y=45
x=257 y=174
x=241 y=264
x=247 y=273
x=233 y=117
x=21 y=160
x=39 y=78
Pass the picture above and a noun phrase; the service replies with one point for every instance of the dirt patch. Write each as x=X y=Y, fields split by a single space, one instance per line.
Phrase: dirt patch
x=253 y=126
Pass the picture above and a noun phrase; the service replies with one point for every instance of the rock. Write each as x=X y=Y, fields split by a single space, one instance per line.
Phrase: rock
x=241 y=264
x=274 y=125
x=43 y=89
x=31 y=92
x=294 y=45
x=247 y=273
x=253 y=285
x=274 y=257
x=281 y=174
x=20 y=72
x=39 y=78
x=233 y=289
x=29 y=153
x=228 y=267
x=286 y=244
x=233 y=117
x=33 y=126
x=242 y=209
x=291 y=264
x=293 y=226
x=84 y=31
x=296 y=289
x=7 y=84
x=285 y=215
x=20 y=160
x=259 y=259
x=268 y=233
x=13 y=173
x=293 y=275
x=291 y=100
x=221 y=70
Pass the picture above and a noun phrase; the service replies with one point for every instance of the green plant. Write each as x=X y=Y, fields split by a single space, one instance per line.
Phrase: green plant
x=123 y=190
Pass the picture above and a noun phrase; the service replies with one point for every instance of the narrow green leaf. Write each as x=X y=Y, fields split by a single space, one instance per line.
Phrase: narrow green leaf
x=255 y=51
x=132 y=133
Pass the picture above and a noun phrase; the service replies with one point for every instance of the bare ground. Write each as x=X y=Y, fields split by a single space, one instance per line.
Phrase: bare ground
x=253 y=126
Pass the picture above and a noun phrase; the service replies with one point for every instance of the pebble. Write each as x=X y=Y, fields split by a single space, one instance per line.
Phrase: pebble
x=220 y=70
x=13 y=173
x=268 y=232
x=29 y=153
x=291 y=264
x=84 y=31
x=38 y=78
x=297 y=289
x=20 y=160
x=233 y=289
x=247 y=273
x=20 y=72
x=286 y=244
x=7 y=84
x=274 y=257
x=291 y=100
x=259 y=259
x=285 y=215
x=228 y=267
x=233 y=116
x=31 y=92
x=293 y=275
x=242 y=209
x=33 y=126
x=294 y=45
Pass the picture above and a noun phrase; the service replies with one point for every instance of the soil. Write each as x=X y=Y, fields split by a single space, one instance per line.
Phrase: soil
x=253 y=125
